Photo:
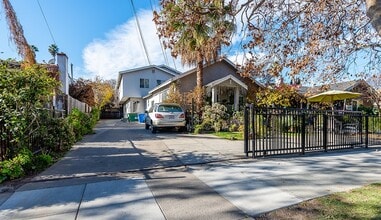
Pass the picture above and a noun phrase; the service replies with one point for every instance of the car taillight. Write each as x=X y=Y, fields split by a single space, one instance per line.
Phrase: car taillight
x=182 y=115
x=159 y=115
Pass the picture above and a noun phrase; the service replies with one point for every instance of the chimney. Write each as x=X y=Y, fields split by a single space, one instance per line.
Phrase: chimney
x=62 y=62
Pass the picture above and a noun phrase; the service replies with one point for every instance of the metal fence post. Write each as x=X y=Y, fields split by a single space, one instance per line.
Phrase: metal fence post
x=325 y=131
x=303 y=133
x=246 y=130
x=192 y=115
x=366 y=131
x=253 y=140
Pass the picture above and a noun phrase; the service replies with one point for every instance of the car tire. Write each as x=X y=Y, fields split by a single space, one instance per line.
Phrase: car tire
x=182 y=129
x=153 y=129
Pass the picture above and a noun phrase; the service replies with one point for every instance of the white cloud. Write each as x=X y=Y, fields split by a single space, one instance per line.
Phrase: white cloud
x=122 y=49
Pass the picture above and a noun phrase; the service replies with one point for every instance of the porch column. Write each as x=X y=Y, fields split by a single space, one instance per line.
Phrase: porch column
x=214 y=95
x=236 y=98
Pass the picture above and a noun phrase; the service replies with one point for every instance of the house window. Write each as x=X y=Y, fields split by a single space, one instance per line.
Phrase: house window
x=144 y=83
x=159 y=81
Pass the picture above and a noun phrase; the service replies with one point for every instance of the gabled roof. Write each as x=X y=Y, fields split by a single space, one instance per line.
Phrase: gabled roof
x=192 y=71
x=344 y=86
x=228 y=77
x=163 y=68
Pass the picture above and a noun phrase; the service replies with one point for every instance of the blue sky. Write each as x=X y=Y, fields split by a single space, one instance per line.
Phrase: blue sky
x=100 y=37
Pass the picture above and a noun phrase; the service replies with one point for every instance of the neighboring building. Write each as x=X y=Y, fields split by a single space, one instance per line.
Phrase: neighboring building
x=221 y=81
x=360 y=86
x=134 y=84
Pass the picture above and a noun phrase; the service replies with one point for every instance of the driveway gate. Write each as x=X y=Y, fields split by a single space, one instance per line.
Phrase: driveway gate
x=278 y=131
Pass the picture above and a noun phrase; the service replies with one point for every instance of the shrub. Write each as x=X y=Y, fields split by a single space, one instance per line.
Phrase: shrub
x=42 y=161
x=16 y=167
x=81 y=123
x=54 y=134
x=237 y=122
x=95 y=116
x=216 y=115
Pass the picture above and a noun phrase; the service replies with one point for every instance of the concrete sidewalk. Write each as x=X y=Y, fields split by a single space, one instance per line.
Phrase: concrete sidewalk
x=124 y=172
x=264 y=185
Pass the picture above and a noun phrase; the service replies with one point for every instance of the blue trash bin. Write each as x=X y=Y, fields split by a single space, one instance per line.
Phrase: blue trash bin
x=142 y=118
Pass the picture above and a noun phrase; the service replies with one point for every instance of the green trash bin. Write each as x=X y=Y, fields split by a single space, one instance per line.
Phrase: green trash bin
x=133 y=116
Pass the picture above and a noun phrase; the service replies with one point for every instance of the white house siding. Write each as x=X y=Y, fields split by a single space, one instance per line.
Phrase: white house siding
x=130 y=93
x=120 y=90
x=156 y=98
x=131 y=82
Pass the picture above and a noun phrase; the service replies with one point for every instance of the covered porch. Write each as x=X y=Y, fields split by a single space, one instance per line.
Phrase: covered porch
x=228 y=91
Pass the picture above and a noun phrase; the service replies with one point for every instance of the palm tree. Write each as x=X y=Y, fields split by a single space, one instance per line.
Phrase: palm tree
x=195 y=30
x=17 y=35
x=53 y=50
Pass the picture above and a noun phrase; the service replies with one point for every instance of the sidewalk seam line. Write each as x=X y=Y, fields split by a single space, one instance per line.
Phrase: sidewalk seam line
x=80 y=202
x=154 y=197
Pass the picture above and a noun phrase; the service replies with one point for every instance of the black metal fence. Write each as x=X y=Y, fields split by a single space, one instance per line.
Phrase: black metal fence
x=277 y=131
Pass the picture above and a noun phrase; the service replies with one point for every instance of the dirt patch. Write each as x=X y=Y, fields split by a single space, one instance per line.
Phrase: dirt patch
x=303 y=211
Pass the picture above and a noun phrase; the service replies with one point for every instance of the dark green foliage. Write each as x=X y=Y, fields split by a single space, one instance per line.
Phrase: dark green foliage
x=95 y=116
x=366 y=110
x=22 y=94
x=15 y=168
x=35 y=136
x=80 y=123
x=41 y=161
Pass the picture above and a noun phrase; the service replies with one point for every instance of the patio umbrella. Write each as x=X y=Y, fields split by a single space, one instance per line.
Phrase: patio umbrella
x=333 y=95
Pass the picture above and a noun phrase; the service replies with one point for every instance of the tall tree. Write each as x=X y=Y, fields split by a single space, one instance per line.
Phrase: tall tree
x=103 y=91
x=320 y=40
x=82 y=90
x=53 y=50
x=17 y=35
x=195 y=30
x=97 y=93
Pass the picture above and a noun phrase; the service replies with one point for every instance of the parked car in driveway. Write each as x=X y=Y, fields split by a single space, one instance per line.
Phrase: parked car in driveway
x=165 y=115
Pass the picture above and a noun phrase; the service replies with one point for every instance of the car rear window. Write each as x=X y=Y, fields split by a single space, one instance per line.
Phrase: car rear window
x=169 y=108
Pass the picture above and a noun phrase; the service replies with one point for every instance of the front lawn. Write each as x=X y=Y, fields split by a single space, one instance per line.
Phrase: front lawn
x=362 y=203
x=229 y=135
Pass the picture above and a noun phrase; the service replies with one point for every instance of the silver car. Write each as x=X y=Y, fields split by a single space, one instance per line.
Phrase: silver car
x=165 y=115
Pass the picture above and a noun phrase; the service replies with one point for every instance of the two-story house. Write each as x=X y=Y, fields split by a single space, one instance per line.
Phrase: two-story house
x=134 y=84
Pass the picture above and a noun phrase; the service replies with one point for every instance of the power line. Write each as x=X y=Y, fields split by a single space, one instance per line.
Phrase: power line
x=46 y=21
x=140 y=32
x=161 y=45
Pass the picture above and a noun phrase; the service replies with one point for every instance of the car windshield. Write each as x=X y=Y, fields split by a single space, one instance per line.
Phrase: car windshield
x=169 y=108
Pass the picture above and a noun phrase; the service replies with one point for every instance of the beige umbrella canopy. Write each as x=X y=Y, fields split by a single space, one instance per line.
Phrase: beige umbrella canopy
x=333 y=95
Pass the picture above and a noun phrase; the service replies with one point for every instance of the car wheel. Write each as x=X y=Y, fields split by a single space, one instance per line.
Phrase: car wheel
x=153 y=129
x=182 y=129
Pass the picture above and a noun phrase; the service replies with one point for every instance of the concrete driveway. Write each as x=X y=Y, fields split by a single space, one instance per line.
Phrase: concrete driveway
x=125 y=172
